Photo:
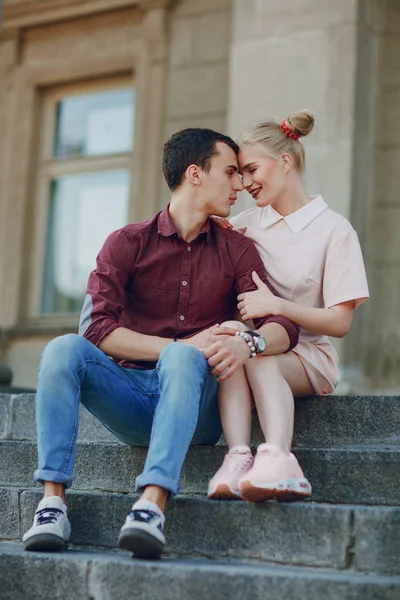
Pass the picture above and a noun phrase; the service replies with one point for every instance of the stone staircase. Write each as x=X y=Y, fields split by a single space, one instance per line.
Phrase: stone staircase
x=345 y=544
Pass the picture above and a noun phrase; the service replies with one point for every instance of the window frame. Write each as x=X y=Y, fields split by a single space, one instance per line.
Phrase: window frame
x=127 y=40
x=48 y=167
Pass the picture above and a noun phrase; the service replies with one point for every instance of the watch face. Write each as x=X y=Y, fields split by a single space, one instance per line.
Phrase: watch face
x=261 y=344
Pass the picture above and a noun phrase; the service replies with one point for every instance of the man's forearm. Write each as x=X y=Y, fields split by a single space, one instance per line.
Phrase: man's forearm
x=277 y=338
x=129 y=345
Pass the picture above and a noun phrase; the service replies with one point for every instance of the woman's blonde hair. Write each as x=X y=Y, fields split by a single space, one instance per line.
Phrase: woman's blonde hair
x=281 y=138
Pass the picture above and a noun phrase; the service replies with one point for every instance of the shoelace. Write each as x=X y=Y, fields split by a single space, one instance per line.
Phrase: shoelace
x=146 y=516
x=48 y=515
x=233 y=464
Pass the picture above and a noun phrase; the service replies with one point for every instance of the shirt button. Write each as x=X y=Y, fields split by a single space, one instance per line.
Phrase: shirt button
x=182 y=318
x=189 y=249
x=184 y=282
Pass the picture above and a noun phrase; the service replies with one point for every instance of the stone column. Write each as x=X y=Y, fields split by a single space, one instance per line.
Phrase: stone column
x=376 y=208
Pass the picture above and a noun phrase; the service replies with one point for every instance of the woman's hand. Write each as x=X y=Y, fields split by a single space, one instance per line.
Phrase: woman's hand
x=225 y=224
x=260 y=303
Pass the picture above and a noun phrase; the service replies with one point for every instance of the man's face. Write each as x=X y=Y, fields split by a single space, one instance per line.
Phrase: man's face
x=222 y=183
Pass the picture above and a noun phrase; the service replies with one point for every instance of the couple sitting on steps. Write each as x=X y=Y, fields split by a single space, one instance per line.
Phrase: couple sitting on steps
x=160 y=360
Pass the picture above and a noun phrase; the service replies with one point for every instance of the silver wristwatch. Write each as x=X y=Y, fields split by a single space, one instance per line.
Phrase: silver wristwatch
x=255 y=342
x=259 y=342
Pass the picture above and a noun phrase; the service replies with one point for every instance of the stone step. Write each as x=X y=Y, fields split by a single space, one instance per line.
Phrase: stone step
x=348 y=474
x=362 y=538
x=319 y=420
x=93 y=575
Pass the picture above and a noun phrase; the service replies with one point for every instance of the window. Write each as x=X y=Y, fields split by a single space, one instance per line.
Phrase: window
x=84 y=178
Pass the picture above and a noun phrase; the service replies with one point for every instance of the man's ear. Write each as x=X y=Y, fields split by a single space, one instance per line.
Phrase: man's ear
x=287 y=162
x=193 y=175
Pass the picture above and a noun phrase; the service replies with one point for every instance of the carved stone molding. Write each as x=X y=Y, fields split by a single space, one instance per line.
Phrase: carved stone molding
x=19 y=14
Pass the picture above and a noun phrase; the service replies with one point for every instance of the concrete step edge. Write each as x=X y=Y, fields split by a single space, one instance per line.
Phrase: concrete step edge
x=317 y=535
x=337 y=475
x=81 y=575
x=383 y=447
x=318 y=418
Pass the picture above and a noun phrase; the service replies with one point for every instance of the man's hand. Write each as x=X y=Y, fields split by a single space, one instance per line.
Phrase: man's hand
x=227 y=354
x=260 y=303
x=204 y=339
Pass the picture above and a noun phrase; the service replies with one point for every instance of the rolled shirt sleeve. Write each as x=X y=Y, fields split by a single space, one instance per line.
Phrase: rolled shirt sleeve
x=106 y=290
x=247 y=261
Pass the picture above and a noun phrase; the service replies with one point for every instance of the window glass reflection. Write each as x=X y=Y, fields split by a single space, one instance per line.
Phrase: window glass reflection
x=95 y=124
x=83 y=210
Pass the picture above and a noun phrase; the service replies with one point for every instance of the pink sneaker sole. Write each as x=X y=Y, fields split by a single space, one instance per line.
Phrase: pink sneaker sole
x=223 y=492
x=286 y=490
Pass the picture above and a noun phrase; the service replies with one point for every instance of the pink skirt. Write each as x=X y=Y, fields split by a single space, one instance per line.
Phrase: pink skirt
x=321 y=362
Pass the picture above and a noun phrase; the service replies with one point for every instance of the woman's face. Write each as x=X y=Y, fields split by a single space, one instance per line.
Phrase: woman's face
x=263 y=175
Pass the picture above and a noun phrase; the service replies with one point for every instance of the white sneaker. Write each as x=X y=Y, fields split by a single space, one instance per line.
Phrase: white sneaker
x=143 y=531
x=51 y=528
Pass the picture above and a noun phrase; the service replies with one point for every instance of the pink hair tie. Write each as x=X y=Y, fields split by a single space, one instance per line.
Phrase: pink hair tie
x=289 y=133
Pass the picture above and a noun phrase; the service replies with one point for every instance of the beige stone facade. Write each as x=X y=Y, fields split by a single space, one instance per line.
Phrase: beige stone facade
x=222 y=64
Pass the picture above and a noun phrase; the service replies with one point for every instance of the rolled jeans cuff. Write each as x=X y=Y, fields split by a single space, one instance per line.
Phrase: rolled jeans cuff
x=42 y=475
x=153 y=479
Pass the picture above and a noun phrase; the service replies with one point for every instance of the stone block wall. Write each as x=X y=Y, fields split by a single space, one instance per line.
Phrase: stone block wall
x=198 y=71
x=294 y=55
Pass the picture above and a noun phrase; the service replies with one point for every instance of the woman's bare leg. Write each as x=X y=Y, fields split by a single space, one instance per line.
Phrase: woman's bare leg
x=274 y=381
x=235 y=405
x=276 y=472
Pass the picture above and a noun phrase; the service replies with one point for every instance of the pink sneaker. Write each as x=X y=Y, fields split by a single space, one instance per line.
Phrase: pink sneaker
x=225 y=483
x=274 y=475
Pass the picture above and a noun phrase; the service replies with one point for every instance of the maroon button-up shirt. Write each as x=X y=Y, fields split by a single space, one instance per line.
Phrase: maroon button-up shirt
x=150 y=280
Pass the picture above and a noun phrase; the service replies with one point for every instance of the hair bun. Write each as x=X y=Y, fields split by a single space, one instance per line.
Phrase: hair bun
x=301 y=122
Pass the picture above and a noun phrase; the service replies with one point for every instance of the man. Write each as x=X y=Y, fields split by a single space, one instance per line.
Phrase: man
x=171 y=279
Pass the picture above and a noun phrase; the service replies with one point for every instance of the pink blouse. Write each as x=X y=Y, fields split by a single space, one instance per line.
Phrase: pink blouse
x=313 y=257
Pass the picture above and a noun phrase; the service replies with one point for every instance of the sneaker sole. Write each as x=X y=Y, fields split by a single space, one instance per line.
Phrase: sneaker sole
x=284 y=491
x=223 y=492
x=44 y=542
x=140 y=543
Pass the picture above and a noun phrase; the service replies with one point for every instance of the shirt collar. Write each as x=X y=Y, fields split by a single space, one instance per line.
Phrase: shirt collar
x=167 y=228
x=298 y=220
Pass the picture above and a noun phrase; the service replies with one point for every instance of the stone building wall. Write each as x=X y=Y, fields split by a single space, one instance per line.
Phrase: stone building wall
x=223 y=64
x=198 y=68
x=179 y=54
x=287 y=56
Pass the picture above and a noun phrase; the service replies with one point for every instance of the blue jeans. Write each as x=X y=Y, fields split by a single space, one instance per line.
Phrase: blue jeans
x=166 y=408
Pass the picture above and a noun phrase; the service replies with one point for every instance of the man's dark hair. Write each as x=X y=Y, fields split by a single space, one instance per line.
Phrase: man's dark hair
x=194 y=146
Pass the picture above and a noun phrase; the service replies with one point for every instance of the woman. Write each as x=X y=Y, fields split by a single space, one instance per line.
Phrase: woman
x=314 y=261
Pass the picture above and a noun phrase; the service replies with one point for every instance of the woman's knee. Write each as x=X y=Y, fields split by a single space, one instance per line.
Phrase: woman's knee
x=263 y=367
x=238 y=325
